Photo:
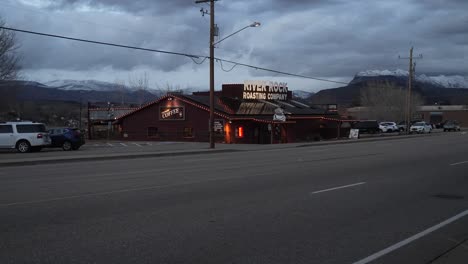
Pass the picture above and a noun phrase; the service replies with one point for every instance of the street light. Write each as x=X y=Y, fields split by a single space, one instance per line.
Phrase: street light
x=254 y=24
x=212 y=46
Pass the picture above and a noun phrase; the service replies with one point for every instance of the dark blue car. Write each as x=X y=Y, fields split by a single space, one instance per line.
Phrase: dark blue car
x=66 y=138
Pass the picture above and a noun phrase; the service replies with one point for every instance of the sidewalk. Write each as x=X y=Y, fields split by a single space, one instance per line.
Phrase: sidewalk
x=175 y=149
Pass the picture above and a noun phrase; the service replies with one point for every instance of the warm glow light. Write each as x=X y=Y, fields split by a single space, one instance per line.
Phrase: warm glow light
x=241 y=132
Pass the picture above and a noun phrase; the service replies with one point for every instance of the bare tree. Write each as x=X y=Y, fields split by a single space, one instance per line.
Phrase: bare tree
x=140 y=85
x=386 y=101
x=121 y=89
x=169 y=88
x=9 y=61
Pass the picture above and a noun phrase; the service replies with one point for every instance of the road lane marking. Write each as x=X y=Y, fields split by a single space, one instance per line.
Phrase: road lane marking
x=339 y=187
x=137 y=144
x=458 y=163
x=110 y=145
x=123 y=144
x=411 y=239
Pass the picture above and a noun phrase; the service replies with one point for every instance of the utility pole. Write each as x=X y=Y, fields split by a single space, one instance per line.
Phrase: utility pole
x=89 y=122
x=81 y=107
x=212 y=35
x=408 y=101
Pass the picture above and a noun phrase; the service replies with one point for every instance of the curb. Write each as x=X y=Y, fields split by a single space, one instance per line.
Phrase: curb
x=195 y=152
x=116 y=157
x=363 y=140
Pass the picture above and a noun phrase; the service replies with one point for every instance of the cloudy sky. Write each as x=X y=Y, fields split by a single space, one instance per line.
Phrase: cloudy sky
x=332 y=39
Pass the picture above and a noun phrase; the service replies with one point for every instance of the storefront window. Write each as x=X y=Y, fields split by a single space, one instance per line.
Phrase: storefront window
x=188 y=132
x=152 y=131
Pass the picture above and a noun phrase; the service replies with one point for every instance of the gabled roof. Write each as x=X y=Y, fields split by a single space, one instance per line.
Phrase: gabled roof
x=235 y=109
x=201 y=102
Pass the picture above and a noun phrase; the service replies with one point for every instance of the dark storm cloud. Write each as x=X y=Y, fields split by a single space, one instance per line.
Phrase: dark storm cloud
x=133 y=6
x=332 y=38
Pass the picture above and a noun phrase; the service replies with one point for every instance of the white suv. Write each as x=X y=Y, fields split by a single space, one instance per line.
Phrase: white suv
x=24 y=136
x=388 y=127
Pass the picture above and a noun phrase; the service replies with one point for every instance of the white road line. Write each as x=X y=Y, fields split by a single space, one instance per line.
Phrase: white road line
x=137 y=144
x=339 y=187
x=110 y=145
x=123 y=144
x=411 y=239
x=458 y=163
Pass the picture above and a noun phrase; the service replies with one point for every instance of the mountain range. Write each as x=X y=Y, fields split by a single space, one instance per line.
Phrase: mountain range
x=90 y=90
x=452 y=81
x=433 y=89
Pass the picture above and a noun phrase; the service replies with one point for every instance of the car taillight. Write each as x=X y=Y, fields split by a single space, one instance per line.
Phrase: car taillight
x=39 y=135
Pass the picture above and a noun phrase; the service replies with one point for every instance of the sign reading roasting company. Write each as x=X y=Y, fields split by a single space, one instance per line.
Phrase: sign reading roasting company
x=265 y=90
x=171 y=113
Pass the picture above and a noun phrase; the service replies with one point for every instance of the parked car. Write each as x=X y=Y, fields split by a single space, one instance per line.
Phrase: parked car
x=66 y=138
x=25 y=136
x=420 y=127
x=440 y=124
x=451 y=125
x=388 y=127
x=367 y=126
x=401 y=126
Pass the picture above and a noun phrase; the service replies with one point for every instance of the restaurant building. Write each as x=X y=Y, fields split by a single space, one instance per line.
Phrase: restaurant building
x=258 y=112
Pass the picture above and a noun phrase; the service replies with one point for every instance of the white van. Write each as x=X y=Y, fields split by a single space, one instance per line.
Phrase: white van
x=25 y=136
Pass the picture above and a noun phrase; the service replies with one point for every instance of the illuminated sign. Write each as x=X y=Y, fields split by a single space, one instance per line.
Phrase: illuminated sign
x=265 y=90
x=219 y=126
x=172 y=113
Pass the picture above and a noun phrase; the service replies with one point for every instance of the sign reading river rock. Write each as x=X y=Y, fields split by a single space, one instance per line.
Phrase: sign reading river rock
x=265 y=90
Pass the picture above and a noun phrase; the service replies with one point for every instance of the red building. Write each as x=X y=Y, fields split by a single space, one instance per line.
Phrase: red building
x=254 y=112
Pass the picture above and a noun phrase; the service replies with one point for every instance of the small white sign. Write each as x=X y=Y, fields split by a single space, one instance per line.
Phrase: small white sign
x=279 y=115
x=354 y=133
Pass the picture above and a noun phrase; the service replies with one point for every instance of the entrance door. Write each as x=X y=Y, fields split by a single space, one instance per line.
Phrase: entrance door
x=435 y=117
x=263 y=136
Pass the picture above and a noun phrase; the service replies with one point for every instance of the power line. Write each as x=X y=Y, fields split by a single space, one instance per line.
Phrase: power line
x=100 y=42
x=59 y=16
x=280 y=72
x=222 y=68
x=171 y=53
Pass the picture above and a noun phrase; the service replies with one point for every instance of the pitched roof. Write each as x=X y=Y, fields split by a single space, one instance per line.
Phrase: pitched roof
x=233 y=108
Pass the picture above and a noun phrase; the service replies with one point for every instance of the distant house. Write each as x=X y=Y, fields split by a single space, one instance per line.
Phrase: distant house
x=439 y=113
x=100 y=120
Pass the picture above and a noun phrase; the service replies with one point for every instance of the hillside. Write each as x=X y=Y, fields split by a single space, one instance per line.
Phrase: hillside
x=34 y=91
x=431 y=89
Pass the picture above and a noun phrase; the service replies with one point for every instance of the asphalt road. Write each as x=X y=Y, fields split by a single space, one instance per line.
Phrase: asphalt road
x=398 y=201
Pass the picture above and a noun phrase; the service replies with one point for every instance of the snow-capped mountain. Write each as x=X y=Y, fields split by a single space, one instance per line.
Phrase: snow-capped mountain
x=374 y=73
x=302 y=94
x=452 y=81
x=86 y=85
